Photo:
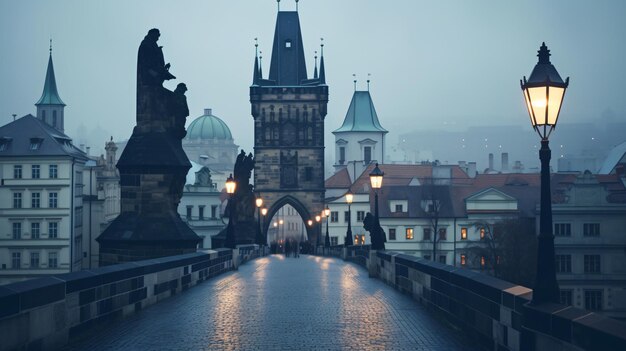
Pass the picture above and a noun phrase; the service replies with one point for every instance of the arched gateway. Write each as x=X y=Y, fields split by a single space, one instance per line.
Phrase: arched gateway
x=288 y=110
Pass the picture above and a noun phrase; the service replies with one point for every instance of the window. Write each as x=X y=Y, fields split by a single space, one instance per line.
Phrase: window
x=78 y=217
x=591 y=229
x=409 y=233
x=52 y=260
x=53 y=200
x=443 y=235
x=426 y=234
x=359 y=239
x=214 y=211
x=342 y=155
x=442 y=259
x=35 y=200
x=288 y=44
x=53 y=230
x=563 y=263
x=346 y=216
x=592 y=263
x=392 y=234
x=17 y=171
x=35 y=144
x=482 y=233
x=334 y=241
x=367 y=154
x=483 y=261
x=78 y=185
x=34 y=260
x=4 y=143
x=360 y=216
x=201 y=212
x=17 y=200
x=463 y=233
x=53 y=171
x=35 y=230
x=593 y=299
x=334 y=216
x=565 y=296
x=562 y=229
x=189 y=209
x=399 y=208
x=463 y=260
x=35 y=171
x=17 y=230
x=16 y=260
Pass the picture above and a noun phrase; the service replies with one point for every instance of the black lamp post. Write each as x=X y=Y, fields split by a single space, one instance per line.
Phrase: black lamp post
x=376 y=179
x=543 y=92
x=318 y=220
x=348 y=241
x=264 y=232
x=231 y=185
x=259 y=234
x=327 y=215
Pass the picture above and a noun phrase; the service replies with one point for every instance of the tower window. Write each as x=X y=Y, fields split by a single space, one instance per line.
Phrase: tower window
x=288 y=44
x=342 y=155
x=367 y=154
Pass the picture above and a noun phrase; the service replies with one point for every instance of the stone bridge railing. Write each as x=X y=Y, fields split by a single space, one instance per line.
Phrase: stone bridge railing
x=494 y=311
x=44 y=313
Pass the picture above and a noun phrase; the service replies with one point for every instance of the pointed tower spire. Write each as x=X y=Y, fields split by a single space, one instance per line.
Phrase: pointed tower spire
x=255 y=74
x=354 y=75
x=287 y=66
x=368 y=81
x=322 y=70
x=50 y=106
x=261 y=64
x=315 y=71
x=297 y=5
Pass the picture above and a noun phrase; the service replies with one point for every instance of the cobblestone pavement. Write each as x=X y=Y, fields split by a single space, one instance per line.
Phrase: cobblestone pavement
x=277 y=303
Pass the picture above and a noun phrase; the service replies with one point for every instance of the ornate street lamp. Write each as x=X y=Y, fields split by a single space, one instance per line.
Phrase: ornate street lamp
x=349 y=198
x=318 y=219
x=264 y=213
x=376 y=179
x=544 y=91
x=327 y=215
x=259 y=233
x=231 y=185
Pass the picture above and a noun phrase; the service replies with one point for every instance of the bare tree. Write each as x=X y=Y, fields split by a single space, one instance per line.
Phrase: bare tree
x=508 y=248
x=431 y=203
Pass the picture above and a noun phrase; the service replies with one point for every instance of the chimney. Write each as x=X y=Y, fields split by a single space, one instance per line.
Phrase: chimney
x=87 y=149
x=505 y=162
x=471 y=169
x=208 y=112
x=490 y=161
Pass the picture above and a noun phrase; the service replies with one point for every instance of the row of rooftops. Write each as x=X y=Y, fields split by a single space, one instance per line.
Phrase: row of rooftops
x=414 y=183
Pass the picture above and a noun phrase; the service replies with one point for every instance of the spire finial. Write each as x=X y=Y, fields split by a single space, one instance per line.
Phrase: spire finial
x=543 y=54
x=322 y=46
x=368 y=81
x=278 y=2
x=297 y=5
x=50 y=46
x=315 y=76
x=256 y=47
x=261 y=64
x=354 y=75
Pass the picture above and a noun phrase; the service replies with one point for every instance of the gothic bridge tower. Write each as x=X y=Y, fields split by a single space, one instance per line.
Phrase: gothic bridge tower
x=288 y=110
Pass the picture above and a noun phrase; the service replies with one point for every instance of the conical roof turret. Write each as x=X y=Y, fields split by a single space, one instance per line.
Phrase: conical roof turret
x=50 y=95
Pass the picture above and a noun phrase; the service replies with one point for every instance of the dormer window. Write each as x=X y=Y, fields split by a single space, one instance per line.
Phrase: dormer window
x=4 y=143
x=35 y=143
x=288 y=44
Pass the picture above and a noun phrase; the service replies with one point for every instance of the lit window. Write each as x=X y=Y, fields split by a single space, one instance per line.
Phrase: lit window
x=483 y=261
x=463 y=260
x=409 y=233
x=482 y=233
x=463 y=233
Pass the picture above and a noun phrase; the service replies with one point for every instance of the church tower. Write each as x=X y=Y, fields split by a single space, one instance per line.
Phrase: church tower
x=50 y=106
x=289 y=110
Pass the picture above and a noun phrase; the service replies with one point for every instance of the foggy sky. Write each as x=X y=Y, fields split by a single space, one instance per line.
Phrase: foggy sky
x=434 y=64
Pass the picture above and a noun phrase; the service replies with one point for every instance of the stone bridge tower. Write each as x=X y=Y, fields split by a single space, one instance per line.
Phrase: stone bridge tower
x=288 y=110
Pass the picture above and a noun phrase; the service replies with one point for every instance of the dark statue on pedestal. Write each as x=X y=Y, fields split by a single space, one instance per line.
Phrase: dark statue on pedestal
x=377 y=234
x=241 y=203
x=153 y=169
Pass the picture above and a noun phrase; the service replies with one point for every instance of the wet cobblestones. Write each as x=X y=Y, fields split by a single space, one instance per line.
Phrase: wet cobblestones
x=277 y=303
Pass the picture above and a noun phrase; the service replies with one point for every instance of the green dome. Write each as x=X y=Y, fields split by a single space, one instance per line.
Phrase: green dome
x=208 y=127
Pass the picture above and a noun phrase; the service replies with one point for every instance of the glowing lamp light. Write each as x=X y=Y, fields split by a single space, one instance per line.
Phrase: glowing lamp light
x=376 y=178
x=264 y=211
x=318 y=218
x=281 y=222
x=259 y=202
x=275 y=224
x=327 y=211
x=230 y=185
x=349 y=197
x=543 y=92
x=310 y=223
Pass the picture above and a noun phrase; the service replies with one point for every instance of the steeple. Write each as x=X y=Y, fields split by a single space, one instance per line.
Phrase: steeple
x=50 y=106
x=315 y=76
x=322 y=70
x=287 y=66
x=255 y=74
